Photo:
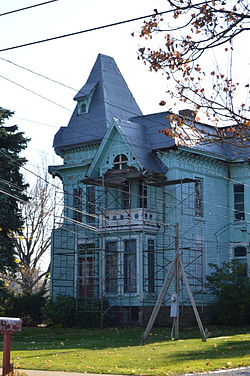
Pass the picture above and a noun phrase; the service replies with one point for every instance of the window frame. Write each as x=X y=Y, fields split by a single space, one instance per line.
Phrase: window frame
x=239 y=214
x=86 y=269
x=80 y=102
x=111 y=253
x=130 y=266
x=77 y=204
x=90 y=203
x=240 y=256
x=151 y=265
x=120 y=162
x=143 y=195
x=198 y=198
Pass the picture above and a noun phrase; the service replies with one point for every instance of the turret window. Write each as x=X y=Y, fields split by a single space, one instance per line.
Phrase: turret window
x=83 y=106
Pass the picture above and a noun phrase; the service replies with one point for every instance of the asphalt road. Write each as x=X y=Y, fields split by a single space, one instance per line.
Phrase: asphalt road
x=244 y=371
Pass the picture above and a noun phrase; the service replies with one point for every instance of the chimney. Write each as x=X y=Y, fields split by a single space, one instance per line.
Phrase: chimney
x=187 y=113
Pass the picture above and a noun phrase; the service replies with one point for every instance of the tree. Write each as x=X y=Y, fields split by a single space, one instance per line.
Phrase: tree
x=231 y=286
x=195 y=30
x=33 y=245
x=12 y=189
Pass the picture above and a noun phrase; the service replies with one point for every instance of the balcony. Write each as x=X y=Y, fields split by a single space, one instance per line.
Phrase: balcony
x=130 y=219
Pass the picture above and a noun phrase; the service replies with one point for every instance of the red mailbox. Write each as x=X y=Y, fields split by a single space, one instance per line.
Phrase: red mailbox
x=8 y=325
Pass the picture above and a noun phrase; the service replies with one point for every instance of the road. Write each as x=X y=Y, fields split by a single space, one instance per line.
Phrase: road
x=244 y=371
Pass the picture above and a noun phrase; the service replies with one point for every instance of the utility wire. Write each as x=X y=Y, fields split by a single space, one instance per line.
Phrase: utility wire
x=29 y=7
x=98 y=207
x=134 y=141
x=70 y=110
x=221 y=176
x=82 y=31
x=33 y=92
x=137 y=143
x=71 y=88
x=38 y=74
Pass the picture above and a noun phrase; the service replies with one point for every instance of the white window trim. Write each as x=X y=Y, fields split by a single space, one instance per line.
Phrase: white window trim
x=80 y=102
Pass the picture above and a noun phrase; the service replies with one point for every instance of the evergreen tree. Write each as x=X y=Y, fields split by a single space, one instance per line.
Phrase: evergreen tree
x=12 y=189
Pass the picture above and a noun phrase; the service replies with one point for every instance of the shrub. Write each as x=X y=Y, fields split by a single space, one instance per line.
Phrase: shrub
x=66 y=311
x=60 y=312
x=231 y=286
x=27 y=306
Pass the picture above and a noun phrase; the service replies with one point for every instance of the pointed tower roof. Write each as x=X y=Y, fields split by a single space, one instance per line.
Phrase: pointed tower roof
x=106 y=96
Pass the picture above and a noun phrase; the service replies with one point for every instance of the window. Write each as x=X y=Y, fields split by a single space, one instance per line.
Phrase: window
x=90 y=204
x=197 y=262
x=77 y=204
x=120 y=162
x=151 y=266
x=143 y=191
x=239 y=213
x=125 y=188
x=129 y=265
x=198 y=204
x=111 y=259
x=86 y=269
x=240 y=251
x=82 y=106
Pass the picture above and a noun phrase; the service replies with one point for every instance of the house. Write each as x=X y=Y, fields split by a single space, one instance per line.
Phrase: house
x=133 y=196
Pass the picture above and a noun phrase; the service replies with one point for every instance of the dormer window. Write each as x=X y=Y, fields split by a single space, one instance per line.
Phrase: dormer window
x=83 y=106
x=120 y=162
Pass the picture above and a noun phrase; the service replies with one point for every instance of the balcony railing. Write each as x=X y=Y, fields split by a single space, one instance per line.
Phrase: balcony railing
x=122 y=219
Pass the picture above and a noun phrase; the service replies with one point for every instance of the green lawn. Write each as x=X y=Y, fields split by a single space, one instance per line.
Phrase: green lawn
x=119 y=350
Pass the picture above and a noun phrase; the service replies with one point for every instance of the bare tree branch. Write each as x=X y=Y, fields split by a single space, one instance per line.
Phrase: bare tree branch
x=196 y=29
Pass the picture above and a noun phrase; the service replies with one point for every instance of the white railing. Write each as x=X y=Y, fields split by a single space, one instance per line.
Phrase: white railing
x=129 y=218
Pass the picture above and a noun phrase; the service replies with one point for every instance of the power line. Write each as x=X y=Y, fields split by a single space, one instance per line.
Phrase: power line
x=136 y=141
x=70 y=194
x=142 y=144
x=14 y=196
x=82 y=31
x=33 y=92
x=71 y=88
x=29 y=7
x=70 y=110
x=97 y=206
x=38 y=74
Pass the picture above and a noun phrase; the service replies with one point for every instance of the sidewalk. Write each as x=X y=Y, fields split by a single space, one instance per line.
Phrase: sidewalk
x=56 y=373
x=242 y=371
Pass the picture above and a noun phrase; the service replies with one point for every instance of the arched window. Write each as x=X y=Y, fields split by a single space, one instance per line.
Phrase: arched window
x=83 y=106
x=240 y=251
x=120 y=162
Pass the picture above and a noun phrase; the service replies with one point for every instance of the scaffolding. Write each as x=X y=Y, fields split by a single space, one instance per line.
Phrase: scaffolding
x=118 y=238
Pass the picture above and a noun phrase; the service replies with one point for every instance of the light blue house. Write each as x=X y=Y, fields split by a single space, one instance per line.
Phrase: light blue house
x=133 y=196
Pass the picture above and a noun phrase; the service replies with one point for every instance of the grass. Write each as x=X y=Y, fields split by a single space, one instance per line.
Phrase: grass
x=118 y=351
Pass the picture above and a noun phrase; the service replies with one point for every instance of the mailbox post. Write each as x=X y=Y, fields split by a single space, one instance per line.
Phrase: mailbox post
x=8 y=325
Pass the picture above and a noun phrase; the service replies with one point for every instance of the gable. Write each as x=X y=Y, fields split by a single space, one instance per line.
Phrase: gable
x=113 y=144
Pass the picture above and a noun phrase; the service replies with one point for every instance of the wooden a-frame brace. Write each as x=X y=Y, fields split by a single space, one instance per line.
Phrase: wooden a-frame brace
x=168 y=279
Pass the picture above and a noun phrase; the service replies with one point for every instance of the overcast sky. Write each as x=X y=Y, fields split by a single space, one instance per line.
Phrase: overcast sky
x=68 y=60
